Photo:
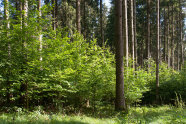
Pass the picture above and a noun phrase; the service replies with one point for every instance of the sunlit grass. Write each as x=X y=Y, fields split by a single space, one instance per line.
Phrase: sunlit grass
x=159 y=115
x=143 y=115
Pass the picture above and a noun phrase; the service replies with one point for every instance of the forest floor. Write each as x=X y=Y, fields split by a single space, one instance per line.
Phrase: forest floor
x=136 y=115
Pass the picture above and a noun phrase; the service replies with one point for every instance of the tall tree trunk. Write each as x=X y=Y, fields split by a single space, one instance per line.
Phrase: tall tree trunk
x=125 y=31
x=101 y=23
x=165 y=27
x=168 y=38
x=148 y=32
x=178 y=58
x=172 y=43
x=7 y=27
x=135 y=38
x=120 y=100
x=40 y=30
x=56 y=12
x=84 y=18
x=54 y=6
x=78 y=16
x=157 y=55
x=160 y=38
x=20 y=12
x=24 y=83
x=16 y=5
x=25 y=8
x=97 y=2
x=25 y=45
x=143 y=52
x=132 y=30
x=65 y=12
x=6 y=17
x=181 y=37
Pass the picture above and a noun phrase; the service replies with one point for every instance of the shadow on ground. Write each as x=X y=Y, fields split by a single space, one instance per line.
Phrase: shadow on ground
x=41 y=122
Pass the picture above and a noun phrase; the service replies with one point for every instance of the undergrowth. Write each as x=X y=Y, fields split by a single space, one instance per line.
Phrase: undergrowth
x=136 y=115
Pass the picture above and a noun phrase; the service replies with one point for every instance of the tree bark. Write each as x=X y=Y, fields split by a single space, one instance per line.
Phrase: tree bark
x=54 y=6
x=181 y=37
x=56 y=12
x=84 y=18
x=168 y=38
x=24 y=83
x=7 y=27
x=101 y=23
x=132 y=31
x=178 y=58
x=6 y=14
x=125 y=31
x=157 y=55
x=135 y=38
x=78 y=16
x=172 y=43
x=148 y=32
x=160 y=39
x=40 y=30
x=120 y=100
x=165 y=37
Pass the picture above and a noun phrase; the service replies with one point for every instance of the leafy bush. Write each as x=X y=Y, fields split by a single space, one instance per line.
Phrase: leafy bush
x=72 y=72
x=171 y=83
x=135 y=84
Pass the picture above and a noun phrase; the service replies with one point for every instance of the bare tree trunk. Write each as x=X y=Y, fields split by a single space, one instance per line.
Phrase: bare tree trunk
x=54 y=14
x=157 y=55
x=6 y=14
x=148 y=31
x=25 y=8
x=135 y=38
x=143 y=52
x=101 y=23
x=40 y=30
x=16 y=5
x=7 y=27
x=24 y=83
x=165 y=27
x=168 y=38
x=125 y=31
x=78 y=16
x=160 y=39
x=84 y=18
x=172 y=43
x=132 y=30
x=178 y=58
x=120 y=100
x=181 y=37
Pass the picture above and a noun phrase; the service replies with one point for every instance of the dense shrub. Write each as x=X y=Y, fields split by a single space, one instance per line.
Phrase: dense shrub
x=73 y=72
x=172 y=85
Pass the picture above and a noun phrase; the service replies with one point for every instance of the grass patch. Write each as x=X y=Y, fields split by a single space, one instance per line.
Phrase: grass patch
x=158 y=115
x=143 y=115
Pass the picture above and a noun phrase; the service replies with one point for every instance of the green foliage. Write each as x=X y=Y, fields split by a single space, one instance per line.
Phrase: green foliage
x=67 y=72
x=135 y=84
x=72 y=73
x=67 y=16
x=171 y=83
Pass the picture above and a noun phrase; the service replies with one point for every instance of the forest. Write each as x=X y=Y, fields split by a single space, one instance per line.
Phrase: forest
x=92 y=62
